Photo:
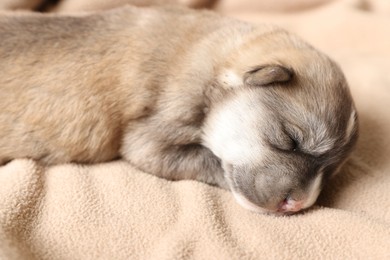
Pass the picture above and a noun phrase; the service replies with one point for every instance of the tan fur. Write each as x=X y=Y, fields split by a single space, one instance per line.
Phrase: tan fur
x=77 y=5
x=19 y=4
x=140 y=83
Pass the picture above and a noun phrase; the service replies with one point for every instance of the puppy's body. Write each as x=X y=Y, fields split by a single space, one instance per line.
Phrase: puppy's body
x=180 y=94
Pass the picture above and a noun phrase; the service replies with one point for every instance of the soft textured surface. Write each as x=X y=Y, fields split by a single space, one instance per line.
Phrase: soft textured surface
x=112 y=211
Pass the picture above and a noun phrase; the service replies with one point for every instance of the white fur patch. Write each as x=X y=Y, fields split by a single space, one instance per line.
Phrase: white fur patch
x=319 y=140
x=247 y=204
x=351 y=125
x=314 y=190
x=231 y=132
x=323 y=147
x=230 y=79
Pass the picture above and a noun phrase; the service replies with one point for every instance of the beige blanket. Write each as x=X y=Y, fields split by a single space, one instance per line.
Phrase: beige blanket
x=113 y=211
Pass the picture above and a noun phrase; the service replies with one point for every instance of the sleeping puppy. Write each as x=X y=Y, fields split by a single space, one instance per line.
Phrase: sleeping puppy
x=180 y=94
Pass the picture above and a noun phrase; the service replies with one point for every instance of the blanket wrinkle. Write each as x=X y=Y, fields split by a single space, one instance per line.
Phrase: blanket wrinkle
x=114 y=211
x=21 y=195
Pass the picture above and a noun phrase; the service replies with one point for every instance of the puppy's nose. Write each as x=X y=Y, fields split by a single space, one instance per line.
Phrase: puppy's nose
x=291 y=205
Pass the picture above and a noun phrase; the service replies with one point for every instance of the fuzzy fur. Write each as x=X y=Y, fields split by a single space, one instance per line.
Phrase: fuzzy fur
x=180 y=94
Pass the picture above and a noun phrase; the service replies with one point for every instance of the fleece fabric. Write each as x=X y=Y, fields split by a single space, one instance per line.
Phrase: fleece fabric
x=114 y=211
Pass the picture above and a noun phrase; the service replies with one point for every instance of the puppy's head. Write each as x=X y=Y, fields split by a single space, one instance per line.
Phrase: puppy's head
x=285 y=124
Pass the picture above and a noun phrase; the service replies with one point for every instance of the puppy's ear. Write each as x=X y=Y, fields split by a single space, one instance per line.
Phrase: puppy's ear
x=267 y=74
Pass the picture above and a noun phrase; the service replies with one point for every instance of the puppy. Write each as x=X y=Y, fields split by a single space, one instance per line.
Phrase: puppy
x=180 y=94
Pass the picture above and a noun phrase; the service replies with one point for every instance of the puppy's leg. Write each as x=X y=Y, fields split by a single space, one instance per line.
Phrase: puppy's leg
x=192 y=161
x=167 y=155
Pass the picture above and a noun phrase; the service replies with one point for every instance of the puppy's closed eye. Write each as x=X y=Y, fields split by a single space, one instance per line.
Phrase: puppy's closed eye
x=291 y=145
x=294 y=145
x=285 y=143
